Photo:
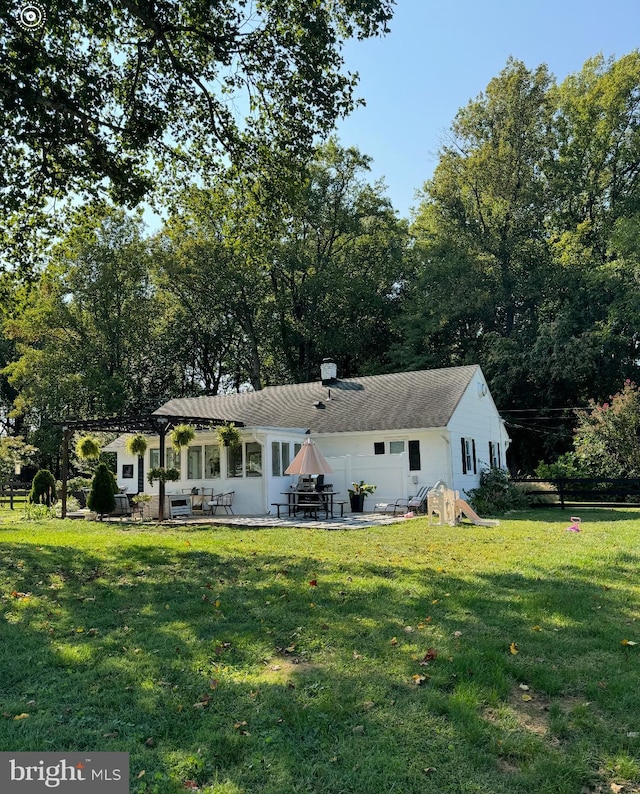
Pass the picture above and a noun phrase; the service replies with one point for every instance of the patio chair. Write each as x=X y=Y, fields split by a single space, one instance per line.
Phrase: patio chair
x=221 y=500
x=418 y=503
x=399 y=506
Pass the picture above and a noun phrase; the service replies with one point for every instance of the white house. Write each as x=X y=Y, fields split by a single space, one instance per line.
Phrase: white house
x=398 y=431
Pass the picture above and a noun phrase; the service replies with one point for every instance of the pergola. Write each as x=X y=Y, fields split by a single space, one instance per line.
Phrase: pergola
x=144 y=423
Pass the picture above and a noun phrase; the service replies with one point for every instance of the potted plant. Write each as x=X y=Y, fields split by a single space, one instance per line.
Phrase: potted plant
x=229 y=435
x=163 y=474
x=136 y=445
x=87 y=448
x=357 y=493
x=182 y=436
x=141 y=499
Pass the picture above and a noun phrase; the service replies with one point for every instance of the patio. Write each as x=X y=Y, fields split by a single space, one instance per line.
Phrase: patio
x=350 y=521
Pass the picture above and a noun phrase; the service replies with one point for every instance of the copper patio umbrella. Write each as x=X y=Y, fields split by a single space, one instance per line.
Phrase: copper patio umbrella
x=309 y=461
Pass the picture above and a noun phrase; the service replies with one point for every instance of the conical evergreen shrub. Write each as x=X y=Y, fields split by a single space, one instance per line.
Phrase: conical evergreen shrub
x=103 y=487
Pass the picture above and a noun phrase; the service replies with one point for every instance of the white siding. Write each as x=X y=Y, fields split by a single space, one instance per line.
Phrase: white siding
x=476 y=418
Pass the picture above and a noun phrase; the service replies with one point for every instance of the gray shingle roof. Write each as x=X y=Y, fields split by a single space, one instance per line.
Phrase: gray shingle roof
x=403 y=400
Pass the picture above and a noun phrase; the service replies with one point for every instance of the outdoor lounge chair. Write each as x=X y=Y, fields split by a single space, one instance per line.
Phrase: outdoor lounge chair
x=221 y=500
x=395 y=508
x=418 y=503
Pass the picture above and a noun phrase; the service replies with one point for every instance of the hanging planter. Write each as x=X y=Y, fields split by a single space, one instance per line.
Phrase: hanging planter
x=229 y=435
x=162 y=474
x=136 y=445
x=182 y=436
x=87 y=448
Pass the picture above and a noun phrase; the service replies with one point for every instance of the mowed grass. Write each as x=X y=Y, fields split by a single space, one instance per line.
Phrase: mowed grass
x=404 y=658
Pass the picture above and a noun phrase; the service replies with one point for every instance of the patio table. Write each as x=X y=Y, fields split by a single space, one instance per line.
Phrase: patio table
x=311 y=500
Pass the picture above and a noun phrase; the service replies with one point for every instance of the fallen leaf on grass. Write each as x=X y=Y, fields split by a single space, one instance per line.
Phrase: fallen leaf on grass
x=527 y=697
x=418 y=680
x=22 y=716
x=151 y=742
x=190 y=785
x=112 y=735
x=616 y=788
x=313 y=583
x=394 y=640
x=429 y=656
x=513 y=648
x=358 y=729
x=628 y=642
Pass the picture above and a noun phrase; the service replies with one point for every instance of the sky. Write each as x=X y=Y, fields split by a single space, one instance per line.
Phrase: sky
x=441 y=54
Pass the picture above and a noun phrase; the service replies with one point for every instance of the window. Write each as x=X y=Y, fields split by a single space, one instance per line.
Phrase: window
x=494 y=455
x=469 y=465
x=296 y=448
x=396 y=447
x=280 y=457
x=127 y=471
x=254 y=459
x=211 y=461
x=286 y=455
x=194 y=463
x=234 y=461
x=172 y=458
x=378 y=447
x=414 y=456
x=276 y=461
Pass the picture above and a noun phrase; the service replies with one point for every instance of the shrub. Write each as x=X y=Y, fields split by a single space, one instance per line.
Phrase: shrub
x=103 y=487
x=496 y=494
x=43 y=488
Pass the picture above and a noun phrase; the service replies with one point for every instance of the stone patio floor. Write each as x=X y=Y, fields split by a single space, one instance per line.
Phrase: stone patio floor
x=350 y=521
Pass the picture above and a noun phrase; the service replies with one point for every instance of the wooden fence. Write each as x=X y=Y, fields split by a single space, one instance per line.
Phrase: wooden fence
x=582 y=492
x=12 y=492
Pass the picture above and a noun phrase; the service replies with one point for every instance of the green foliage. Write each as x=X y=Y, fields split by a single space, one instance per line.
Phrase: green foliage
x=99 y=101
x=607 y=440
x=567 y=465
x=103 y=487
x=38 y=512
x=14 y=452
x=228 y=435
x=361 y=487
x=182 y=436
x=136 y=444
x=43 y=488
x=496 y=494
x=87 y=448
x=162 y=474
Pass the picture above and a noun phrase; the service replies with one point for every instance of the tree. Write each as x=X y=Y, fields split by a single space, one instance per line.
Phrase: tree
x=607 y=440
x=526 y=242
x=101 y=497
x=102 y=96
x=84 y=338
x=14 y=452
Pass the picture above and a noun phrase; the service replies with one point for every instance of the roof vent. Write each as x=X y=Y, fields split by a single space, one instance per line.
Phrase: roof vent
x=320 y=404
x=328 y=371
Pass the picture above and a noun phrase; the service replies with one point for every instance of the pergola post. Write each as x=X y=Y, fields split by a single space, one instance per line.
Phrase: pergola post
x=162 y=432
x=67 y=433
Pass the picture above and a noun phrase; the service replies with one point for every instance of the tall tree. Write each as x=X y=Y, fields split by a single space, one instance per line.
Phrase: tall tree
x=84 y=335
x=106 y=95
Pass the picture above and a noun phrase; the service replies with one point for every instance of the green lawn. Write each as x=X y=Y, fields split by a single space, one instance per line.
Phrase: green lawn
x=399 y=659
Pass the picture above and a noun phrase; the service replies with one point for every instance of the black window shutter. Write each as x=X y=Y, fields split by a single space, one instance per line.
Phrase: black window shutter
x=473 y=447
x=464 y=457
x=414 y=456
